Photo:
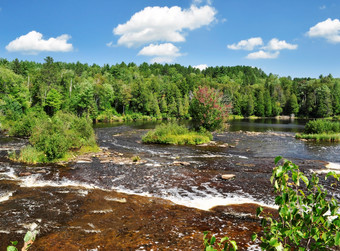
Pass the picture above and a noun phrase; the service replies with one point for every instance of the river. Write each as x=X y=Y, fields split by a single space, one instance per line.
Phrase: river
x=162 y=202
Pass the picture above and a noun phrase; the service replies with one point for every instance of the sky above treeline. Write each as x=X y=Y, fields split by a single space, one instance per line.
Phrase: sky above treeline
x=297 y=38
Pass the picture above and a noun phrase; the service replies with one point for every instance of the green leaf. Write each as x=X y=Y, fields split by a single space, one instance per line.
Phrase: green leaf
x=29 y=236
x=233 y=243
x=305 y=179
x=253 y=236
x=12 y=248
x=259 y=211
x=225 y=238
x=337 y=238
x=212 y=240
x=273 y=241
x=14 y=243
x=277 y=159
x=210 y=248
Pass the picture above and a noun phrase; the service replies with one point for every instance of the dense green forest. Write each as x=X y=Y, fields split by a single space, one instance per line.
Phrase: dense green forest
x=156 y=90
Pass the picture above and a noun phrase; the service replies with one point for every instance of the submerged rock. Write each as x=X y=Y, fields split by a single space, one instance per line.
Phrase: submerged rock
x=227 y=176
x=181 y=163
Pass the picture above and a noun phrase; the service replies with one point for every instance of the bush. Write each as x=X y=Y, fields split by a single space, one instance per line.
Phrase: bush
x=308 y=219
x=322 y=126
x=175 y=134
x=23 y=127
x=207 y=109
x=55 y=136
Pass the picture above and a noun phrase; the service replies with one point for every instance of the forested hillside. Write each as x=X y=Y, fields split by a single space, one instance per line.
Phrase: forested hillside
x=157 y=90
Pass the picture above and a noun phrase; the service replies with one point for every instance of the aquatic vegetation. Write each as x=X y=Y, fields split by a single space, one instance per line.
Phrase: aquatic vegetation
x=321 y=130
x=175 y=134
x=52 y=138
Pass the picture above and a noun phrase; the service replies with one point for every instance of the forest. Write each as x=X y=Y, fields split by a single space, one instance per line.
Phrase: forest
x=156 y=90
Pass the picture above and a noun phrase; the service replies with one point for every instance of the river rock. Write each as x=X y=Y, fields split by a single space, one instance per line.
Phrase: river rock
x=25 y=174
x=224 y=145
x=227 y=176
x=181 y=163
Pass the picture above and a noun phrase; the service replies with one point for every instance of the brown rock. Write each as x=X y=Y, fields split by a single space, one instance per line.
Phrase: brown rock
x=181 y=163
x=25 y=174
x=227 y=176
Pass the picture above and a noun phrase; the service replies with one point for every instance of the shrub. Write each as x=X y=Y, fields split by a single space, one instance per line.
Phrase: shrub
x=57 y=135
x=175 y=134
x=322 y=126
x=308 y=219
x=207 y=109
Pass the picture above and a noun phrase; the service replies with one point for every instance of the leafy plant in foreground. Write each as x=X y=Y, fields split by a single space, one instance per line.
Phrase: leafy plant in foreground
x=28 y=239
x=308 y=218
x=224 y=245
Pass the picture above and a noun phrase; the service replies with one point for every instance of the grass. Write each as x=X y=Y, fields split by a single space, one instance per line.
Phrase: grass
x=175 y=134
x=333 y=137
x=232 y=117
x=30 y=155
x=321 y=130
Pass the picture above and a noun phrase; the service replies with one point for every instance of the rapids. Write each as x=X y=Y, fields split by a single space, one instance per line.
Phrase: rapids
x=163 y=202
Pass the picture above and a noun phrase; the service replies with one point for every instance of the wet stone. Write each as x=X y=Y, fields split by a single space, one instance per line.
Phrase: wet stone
x=227 y=176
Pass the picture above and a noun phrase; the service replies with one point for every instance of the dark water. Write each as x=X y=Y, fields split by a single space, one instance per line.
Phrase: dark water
x=163 y=202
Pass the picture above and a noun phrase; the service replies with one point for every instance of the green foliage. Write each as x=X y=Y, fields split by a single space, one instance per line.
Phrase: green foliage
x=31 y=155
x=28 y=241
x=225 y=243
x=175 y=134
x=23 y=127
x=331 y=137
x=61 y=133
x=308 y=216
x=207 y=109
x=319 y=126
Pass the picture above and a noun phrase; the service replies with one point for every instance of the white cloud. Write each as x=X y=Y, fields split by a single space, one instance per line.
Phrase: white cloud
x=167 y=49
x=162 y=60
x=201 y=67
x=322 y=7
x=165 y=53
x=263 y=55
x=248 y=44
x=328 y=29
x=276 y=45
x=33 y=43
x=154 y=24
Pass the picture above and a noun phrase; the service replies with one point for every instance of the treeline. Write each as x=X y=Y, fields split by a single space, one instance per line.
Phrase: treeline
x=157 y=90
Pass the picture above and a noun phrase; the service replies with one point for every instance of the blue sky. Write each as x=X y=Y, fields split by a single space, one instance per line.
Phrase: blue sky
x=298 y=38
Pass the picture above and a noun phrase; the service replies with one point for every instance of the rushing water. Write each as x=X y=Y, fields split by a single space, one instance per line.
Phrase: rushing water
x=163 y=202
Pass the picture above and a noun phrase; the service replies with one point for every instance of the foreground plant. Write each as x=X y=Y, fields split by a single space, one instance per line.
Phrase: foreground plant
x=225 y=243
x=308 y=217
x=28 y=239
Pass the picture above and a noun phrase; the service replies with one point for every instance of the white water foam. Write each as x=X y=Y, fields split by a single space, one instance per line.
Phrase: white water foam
x=330 y=167
x=205 y=201
x=6 y=196
x=35 y=181
x=10 y=174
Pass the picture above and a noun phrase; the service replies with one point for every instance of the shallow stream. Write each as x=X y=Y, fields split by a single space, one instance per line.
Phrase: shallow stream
x=163 y=202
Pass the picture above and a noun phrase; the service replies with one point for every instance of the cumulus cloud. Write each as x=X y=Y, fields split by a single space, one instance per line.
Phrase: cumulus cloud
x=155 y=24
x=277 y=45
x=247 y=45
x=328 y=29
x=162 y=53
x=167 y=49
x=33 y=43
x=201 y=67
x=263 y=55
